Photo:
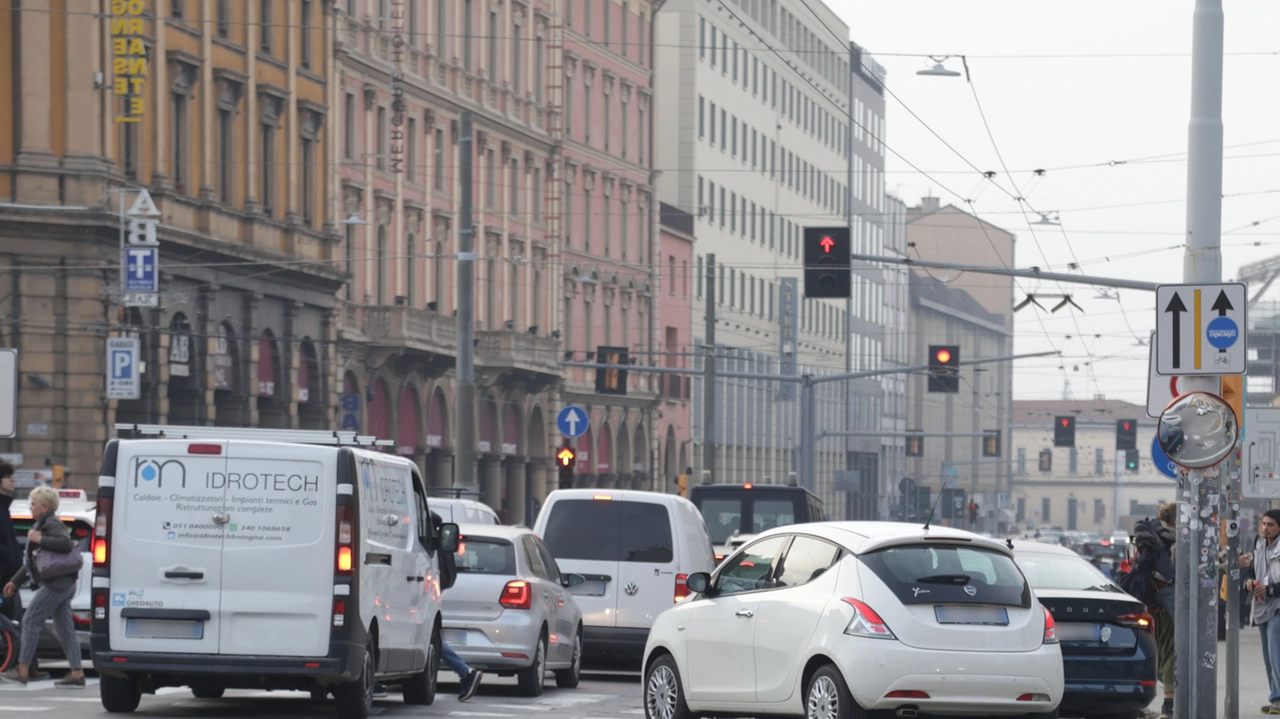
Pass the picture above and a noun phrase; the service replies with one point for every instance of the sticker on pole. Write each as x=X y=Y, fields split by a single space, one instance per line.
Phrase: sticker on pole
x=572 y=421
x=1200 y=329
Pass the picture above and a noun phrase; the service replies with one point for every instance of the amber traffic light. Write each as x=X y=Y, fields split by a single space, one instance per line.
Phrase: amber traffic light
x=944 y=368
x=564 y=462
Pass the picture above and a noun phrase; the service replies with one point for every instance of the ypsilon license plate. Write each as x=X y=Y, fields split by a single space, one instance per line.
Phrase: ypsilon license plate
x=971 y=615
x=163 y=629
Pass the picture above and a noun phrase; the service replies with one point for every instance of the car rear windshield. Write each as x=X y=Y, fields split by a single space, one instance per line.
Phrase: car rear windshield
x=949 y=574
x=79 y=530
x=1048 y=571
x=482 y=555
x=609 y=531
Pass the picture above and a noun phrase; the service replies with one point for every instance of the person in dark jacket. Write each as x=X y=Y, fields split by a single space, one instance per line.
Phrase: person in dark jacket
x=468 y=678
x=52 y=598
x=1158 y=538
x=10 y=550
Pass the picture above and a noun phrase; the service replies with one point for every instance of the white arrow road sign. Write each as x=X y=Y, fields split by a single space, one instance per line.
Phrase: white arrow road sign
x=1200 y=329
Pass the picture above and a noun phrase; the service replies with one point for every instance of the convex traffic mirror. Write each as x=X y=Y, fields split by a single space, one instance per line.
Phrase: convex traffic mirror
x=1198 y=430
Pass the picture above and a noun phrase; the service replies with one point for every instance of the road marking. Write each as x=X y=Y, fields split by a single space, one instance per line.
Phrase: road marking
x=478 y=714
x=86 y=700
x=568 y=700
x=25 y=709
x=521 y=707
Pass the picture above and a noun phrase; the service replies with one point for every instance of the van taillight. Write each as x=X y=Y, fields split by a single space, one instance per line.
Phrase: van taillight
x=102 y=532
x=204 y=449
x=99 y=604
x=516 y=595
x=682 y=586
x=339 y=612
x=345 y=550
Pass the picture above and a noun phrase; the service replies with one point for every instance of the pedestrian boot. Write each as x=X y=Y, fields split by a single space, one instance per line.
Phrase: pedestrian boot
x=19 y=674
x=73 y=680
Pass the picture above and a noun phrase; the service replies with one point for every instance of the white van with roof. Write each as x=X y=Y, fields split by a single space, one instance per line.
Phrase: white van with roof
x=462 y=511
x=267 y=559
x=634 y=549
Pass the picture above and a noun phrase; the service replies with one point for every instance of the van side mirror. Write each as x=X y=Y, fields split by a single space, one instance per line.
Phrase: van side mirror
x=698 y=582
x=448 y=540
x=572 y=580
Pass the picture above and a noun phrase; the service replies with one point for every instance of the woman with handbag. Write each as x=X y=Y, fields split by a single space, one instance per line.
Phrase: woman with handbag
x=53 y=562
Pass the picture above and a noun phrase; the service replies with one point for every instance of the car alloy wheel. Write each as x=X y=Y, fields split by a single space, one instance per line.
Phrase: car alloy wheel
x=824 y=700
x=660 y=693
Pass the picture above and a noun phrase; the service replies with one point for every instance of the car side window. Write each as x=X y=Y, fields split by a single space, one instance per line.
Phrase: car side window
x=548 y=561
x=806 y=559
x=750 y=570
x=531 y=556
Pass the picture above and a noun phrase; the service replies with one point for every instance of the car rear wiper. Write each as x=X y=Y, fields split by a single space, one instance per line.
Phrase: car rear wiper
x=944 y=579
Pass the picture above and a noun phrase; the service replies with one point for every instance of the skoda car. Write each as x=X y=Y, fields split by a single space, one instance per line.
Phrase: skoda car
x=839 y=619
x=1106 y=636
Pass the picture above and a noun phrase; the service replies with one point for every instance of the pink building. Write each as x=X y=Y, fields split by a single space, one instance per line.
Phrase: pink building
x=675 y=321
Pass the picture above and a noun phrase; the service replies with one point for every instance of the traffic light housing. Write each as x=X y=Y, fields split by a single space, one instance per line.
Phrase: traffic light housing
x=826 y=262
x=973 y=512
x=915 y=445
x=565 y=458
x=1131 y=461
x=1126 y=434
x=1064 y=431
x=612 y=379
x=991 y=443
x=944 y=368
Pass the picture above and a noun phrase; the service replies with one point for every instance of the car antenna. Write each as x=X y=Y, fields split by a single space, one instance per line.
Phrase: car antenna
x=929 y=519
x=1009 y=542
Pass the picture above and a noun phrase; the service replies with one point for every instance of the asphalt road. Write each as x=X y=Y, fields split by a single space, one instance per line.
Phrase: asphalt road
x=599 y=696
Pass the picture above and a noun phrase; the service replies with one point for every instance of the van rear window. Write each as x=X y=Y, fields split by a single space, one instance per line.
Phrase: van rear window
x=609 y=531
x=949 y=574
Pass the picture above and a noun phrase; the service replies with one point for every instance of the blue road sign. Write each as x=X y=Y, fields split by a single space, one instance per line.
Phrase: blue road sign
x=572 y=421
x=1162 y=461
x=1223 y=332
x=141 y=273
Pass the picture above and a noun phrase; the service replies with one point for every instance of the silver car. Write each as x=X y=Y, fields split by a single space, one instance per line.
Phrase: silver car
x=510 y=611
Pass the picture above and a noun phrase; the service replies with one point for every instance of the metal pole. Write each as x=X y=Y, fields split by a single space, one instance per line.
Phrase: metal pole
x=709 y=376
x=464 y=471
x=1231 y=704
x=848 y=302
x=807 y=463
x=122 y=233
x=1116 y=493
x=1196 y=622
x=1035 y=274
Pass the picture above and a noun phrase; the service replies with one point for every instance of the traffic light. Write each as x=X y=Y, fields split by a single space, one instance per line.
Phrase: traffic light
x=1046 y=460
x=564 y=462
x=1131 y=461
x=682 y=481
x=1126 y=434
x=991 y=443
x=1064 y=431
x=611 y=380
x=973 y=512
x=915 y=445
x=944 y=368
x=826 y=262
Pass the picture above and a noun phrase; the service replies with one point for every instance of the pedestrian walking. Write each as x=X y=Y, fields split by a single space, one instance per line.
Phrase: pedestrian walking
x=53 y=564
x=468 y=678
x=1263 y=566
x=1150 y=578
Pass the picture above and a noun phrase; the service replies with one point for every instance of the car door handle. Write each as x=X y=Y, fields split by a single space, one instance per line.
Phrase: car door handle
x=745 y=613
x=183 y=575
x=415 y=579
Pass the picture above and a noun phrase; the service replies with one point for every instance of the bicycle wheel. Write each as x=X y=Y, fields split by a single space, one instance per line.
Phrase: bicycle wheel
x=8 y=648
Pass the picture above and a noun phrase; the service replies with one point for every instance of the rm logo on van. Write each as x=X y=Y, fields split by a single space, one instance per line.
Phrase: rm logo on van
x=153 y=473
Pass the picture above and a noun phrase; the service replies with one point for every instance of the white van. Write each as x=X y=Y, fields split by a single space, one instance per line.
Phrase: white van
x=462 y=511
x=245 y=558
x=635 y=550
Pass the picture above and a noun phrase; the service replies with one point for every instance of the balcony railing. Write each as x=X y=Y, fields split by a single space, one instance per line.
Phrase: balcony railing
x=410 y=327
x=516 y=350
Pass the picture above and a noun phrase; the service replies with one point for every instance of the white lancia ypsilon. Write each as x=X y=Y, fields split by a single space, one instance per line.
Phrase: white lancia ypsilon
x=834 y=620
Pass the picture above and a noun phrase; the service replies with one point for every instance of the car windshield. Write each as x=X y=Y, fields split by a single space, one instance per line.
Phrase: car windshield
x=1049 y=571
x=482 y=555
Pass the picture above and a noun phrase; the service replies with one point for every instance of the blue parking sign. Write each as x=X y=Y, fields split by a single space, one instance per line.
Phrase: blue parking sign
x=141 y=269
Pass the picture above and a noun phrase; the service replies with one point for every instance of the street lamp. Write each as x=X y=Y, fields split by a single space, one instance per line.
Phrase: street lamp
x=938 y=69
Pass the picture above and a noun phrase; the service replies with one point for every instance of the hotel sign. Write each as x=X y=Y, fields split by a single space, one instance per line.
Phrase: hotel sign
x=128 y=58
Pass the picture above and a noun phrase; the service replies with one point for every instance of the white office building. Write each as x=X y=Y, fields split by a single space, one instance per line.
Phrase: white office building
x=753 y=107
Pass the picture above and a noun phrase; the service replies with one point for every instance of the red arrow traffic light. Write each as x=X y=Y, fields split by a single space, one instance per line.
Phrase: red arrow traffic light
x=1065 y=422
x=827 y=243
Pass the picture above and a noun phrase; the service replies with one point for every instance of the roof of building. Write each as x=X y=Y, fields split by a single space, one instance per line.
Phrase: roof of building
x=1042 y=411
x=675 y=218
x=927 y=288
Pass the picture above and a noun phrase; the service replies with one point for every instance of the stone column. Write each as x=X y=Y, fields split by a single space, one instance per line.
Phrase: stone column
x=34 y=105
x=491 y=481
x=442 y=462
x=541 y=479
x=516 y=479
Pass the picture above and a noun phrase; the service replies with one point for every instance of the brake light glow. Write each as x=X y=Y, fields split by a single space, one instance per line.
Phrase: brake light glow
x=344 y=559
x=102 y=533
x=204 y=449
x=719 y=558
x=516 y=595
x=345 y=536
x=81 y=619
x=907 y=694
x=748 y=485
x=603 y=497
x=339 y=612
x=865 y=622
x=1106 y=543
x=1140 y=620
x=682 y=586
x=1050 y=630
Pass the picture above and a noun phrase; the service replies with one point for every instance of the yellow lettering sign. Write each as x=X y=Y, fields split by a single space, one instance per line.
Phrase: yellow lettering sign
x=119 y=45
x=137 y=48
x=136 y=106
x=121 y=86
x=126 y=26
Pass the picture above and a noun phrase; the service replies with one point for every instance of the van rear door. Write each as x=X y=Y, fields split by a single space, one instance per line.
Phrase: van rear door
x=582 y=535
x=647 y=570
x=278 y=557
x=166 y=549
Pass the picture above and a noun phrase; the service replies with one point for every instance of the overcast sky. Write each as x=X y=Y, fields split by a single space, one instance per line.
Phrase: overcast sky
x=1069 y=91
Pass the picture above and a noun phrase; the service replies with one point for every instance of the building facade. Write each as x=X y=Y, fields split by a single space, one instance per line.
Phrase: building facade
x=756 y=147
x=222 y=113
x=897 y=352
x=675 y=318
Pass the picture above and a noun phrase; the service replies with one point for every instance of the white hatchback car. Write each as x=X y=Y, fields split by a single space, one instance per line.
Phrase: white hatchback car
x=834 y=620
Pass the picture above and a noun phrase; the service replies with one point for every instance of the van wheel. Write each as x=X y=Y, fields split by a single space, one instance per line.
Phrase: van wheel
x=355 y=700
x=120 y=695
x=663 y=692
x=827 y=697
x=207 y=691
x=568 y=678
x=420 y=688
x=532 y=677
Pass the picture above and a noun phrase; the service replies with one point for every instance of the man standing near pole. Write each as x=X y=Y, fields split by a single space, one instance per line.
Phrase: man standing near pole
x=1264 y=586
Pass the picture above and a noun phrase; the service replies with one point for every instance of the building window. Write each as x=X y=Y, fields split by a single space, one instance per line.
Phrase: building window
x=702 y=38
x=713 y=124
x=1071 y=460
x=267 y=25
x=1098 y=462
x=517 y=51
x=492 y=66
x=180 y=141
x=671 y=272
x=305 y=45
x=1044 y=510
x=625 y=134
x=539 y=70
x=608 y=112
x=411 y=151
x=490 y=184
x=224 y=18
x=226 y=155
x=1022 y=460
x=268 y=169
x=438 y=172
x=129 y=149
x=349 y=126
x=467 y=31
x=350 y=255
x=380 y=161
x=410 y=261
x=177 y=9
x=308 y=179
x=608 y=26
x=537 y=194
x=514 y=201
x=568 y=107
x=586 y=224
x=586 y=111
x=381 y=277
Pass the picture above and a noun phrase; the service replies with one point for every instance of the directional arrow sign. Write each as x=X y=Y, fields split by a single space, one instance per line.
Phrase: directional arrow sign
x=572 y=421
x=827 y=243
x=1200 y=330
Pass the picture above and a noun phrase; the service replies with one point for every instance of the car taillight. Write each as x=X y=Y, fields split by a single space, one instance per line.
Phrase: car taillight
x=907 y=694
x=1033 y=697
x=865 y=622
x=682 y=586
x=102 y=532
x=1050 y=628
x=339 y=613
x=1140 y=620
x=516 y=595
x=345 y=539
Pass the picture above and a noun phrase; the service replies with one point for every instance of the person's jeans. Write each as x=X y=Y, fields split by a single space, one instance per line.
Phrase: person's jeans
x=1270 y=630
x=459 y=667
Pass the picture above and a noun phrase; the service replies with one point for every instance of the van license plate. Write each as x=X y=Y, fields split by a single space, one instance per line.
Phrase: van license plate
x=588 y=589
x=972 y=615
x=163 y=629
